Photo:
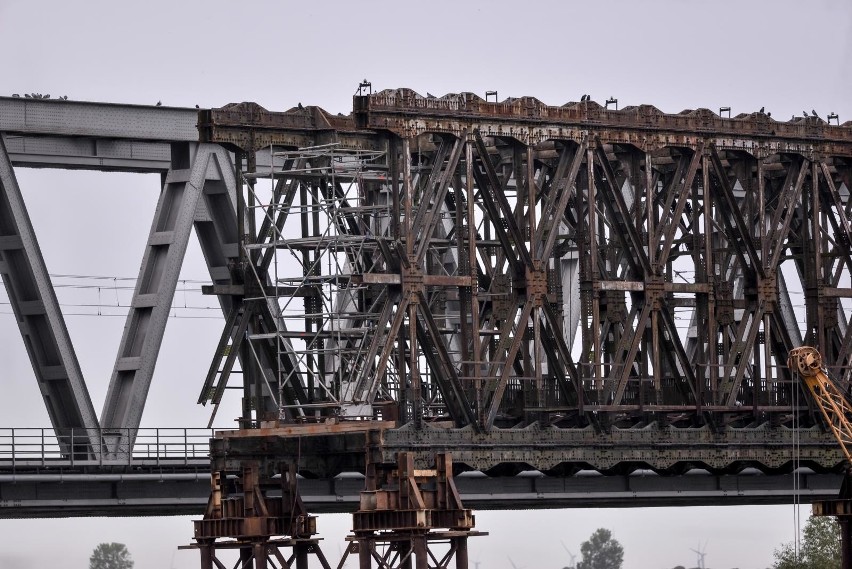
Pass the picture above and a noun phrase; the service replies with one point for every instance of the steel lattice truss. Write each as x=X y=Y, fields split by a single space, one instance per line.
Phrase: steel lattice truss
x=513 y=264
x=514 y=282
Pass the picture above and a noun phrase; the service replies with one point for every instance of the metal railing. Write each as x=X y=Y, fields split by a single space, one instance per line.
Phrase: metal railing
x=33 y=447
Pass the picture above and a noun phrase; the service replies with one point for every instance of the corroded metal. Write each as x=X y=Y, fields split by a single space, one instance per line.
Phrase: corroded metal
x=241 y=516
x=407 y=514
x=494 y=274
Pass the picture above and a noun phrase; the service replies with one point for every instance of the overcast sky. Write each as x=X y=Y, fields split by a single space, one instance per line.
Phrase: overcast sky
x=782 y=55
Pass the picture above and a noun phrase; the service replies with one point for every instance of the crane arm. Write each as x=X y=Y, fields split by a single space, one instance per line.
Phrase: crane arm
x=835 y=407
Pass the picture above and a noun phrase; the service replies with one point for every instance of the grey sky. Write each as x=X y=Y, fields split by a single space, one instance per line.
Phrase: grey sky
x=787 y=56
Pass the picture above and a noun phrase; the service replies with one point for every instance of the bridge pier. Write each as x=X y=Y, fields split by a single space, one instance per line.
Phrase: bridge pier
x=240 y=516
x=410 y=514
x=841 y=510
x=402 y=515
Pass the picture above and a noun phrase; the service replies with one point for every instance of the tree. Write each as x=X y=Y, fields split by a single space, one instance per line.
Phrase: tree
x=110 y=556
x=820 y=547
x=601 y=552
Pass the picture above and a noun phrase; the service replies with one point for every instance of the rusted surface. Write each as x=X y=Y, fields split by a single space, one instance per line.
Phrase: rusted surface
x=403 y=512
x=248 y=127
x=241 y=516
x=528 y=120
x=308 y=430
x=589 y=274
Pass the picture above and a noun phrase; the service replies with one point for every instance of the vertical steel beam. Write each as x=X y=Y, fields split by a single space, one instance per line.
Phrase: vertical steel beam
x=38 y=314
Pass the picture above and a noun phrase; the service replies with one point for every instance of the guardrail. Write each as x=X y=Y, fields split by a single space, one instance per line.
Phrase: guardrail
x=33 y=447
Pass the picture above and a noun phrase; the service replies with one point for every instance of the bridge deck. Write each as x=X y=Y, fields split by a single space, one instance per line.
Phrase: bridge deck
x=149 y=490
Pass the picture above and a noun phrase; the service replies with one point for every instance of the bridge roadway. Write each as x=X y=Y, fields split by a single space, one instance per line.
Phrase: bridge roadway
x=168 y=473
x=144 y=488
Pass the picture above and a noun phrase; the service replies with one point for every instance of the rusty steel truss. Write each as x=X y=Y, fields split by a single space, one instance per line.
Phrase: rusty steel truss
x=494 y=274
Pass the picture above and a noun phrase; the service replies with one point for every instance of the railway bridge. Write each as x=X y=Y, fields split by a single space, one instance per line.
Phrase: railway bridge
x=582 y=304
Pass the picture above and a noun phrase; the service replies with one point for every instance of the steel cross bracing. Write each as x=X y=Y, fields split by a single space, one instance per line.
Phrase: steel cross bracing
x=498 y=274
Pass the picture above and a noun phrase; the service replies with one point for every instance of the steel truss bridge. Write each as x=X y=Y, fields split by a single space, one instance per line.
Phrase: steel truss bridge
x=556 y=289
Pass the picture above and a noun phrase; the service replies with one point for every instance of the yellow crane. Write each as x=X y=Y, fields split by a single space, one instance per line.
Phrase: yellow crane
x=835 y=408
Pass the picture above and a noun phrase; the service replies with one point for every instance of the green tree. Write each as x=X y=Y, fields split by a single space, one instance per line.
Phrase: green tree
x=820 y=547
x=110 y=556
x=602 y=551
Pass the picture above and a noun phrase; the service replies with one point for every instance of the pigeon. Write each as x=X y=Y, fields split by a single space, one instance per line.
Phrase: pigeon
x=769 y=114
x=16 y=96
x=814 y=113
x=196 y=106
x=300 y=106
x=159 y=103
x=28 y=96
x=761 y=110
x=805 y=113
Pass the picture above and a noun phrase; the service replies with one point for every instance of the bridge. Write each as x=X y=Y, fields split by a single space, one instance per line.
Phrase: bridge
x=168 y=472
x=586 y=305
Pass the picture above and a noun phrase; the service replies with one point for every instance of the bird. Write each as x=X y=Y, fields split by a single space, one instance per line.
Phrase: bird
x=429 y=95
x=584 y=98
x=300 y=106
x=761 y=110
x=46 y=97
x=769 y=114
x=196 y=106
x=159 y=103
x=805 y=113
x=16 y=95
x=814 y=113
x=27 y=95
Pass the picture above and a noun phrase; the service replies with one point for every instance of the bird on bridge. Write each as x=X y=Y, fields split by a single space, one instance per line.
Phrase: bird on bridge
x=159 y=103
x=814 y=113
x=300 y=106
x=805 y=113
x=761 y=110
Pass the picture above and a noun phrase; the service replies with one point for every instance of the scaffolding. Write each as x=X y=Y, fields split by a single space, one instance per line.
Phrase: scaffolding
x=325 y=316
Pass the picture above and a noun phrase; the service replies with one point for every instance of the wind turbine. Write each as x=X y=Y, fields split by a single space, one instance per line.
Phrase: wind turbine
x=701 y=552
x=513 y=563
x=571 y=555
x=476 y=564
